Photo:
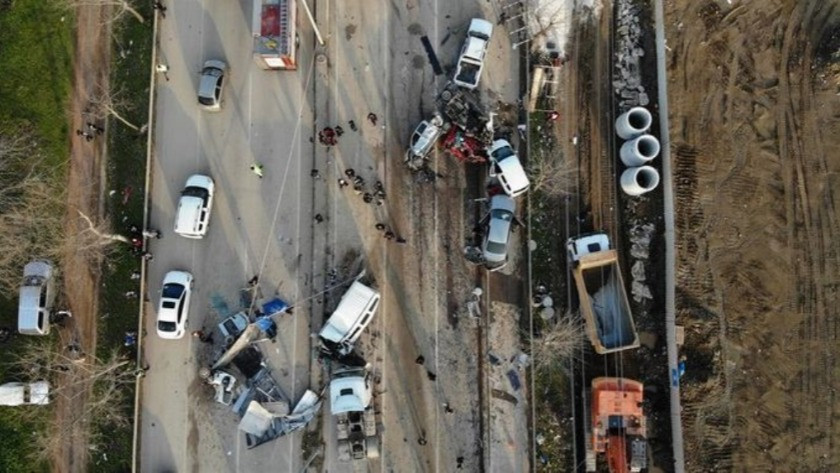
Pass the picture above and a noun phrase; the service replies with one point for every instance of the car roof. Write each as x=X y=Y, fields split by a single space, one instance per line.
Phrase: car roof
x=482 y=26
x=28 y=307
x=200 y=180
x=207 y=86
x=502 y=202
x=474 y=47
x=188 y=209
x=38 y=268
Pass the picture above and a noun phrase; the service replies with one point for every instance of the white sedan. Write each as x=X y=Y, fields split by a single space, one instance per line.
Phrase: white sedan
x=174 y=304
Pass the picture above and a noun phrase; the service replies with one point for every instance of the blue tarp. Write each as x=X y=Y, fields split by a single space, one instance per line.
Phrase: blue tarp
x=274 y=306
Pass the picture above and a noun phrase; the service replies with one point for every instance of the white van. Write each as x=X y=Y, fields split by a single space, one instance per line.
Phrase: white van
x=37 y=294
x=505 y=166
x=194 y=207
x=353 y=314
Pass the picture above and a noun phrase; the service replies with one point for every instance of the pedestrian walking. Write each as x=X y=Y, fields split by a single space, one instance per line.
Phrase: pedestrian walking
x=358 y=181
x=147 y=256
x=367 y=198
x=401 y=240
x=420 y=360
x=329 y=136
x=95 y=129
x=350 y=173
x=389 y=235
x=130 y=339
x=257 y=169
x=339 y=131
x=372 y=118
x=378 y=186
x=342 y=183
x=353 y=125
x=319 y=218
x=130 y=294
x=315 y=174
x=380 y=226
x=254 y=280
x=159 y=7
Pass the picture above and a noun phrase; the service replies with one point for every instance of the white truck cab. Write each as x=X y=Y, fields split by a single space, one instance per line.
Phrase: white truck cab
x=471 y=60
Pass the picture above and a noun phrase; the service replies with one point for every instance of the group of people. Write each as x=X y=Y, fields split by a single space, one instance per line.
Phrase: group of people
x=90 y=131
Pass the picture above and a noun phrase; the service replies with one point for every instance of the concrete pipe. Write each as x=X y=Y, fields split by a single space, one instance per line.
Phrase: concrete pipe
x=639 y=151
x=639 y=180
x=633 y=123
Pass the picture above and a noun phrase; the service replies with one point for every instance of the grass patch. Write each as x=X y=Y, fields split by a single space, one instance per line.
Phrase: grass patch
x=130 y=69
x=36 y=44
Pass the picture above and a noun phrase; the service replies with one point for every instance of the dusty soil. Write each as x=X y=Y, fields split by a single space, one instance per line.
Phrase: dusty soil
x=754 y=106
x=81 y=275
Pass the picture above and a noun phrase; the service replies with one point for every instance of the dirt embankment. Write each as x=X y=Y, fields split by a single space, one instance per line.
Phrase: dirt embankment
x=81 y=275
x=755 y=131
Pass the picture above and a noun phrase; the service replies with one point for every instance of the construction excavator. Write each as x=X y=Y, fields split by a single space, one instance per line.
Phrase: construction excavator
x=618 y=427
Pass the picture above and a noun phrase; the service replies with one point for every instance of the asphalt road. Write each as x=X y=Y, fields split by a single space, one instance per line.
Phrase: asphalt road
x=258 y=226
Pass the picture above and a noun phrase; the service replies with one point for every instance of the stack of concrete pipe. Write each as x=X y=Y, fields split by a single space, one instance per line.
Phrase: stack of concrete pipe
x=639 y=149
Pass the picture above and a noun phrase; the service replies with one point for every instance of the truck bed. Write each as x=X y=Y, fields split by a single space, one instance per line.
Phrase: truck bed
x=604 y=304
x=468 y=73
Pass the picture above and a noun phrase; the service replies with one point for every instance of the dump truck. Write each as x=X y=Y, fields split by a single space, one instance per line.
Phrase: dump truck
x=603 y=299
x=617 y=427
x=275 y=37
x=351 y=403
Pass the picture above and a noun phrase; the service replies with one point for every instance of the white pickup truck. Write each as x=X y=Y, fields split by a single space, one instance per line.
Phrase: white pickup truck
x=471 y=61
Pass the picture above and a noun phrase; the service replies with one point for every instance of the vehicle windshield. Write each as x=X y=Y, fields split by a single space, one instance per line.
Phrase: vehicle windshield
x=500 y=214
x=502 y=153
x=199 y=192
x=164 y=326
x=172 y=291
x=496 y=247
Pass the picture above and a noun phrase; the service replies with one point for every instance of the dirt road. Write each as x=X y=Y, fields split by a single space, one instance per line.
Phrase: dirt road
x=81 y=276
x=753 y=114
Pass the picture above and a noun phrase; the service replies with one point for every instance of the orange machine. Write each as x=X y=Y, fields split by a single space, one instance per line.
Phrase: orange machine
x=619 y=428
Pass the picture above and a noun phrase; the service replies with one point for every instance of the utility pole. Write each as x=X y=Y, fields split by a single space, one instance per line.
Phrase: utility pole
x=312 y=21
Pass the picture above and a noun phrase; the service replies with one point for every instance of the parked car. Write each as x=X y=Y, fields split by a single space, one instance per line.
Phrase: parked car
x=505 y=166
x=500 y=220
x=37 y=294
x=211 y=85
x=194 y=207
x=423 y=140
x=174 y=304
x=471 y=60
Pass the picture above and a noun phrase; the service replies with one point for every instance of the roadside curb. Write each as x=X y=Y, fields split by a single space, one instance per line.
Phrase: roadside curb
x=138 y=389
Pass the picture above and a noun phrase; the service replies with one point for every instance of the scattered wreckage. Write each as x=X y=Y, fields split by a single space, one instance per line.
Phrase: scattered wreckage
x=243 y=381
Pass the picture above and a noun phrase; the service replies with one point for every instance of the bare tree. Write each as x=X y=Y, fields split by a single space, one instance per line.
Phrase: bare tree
x=112 y=102
x=551 y=174
x=558 y=343
x=121 y=7
x=103 y=383
x=33 y=218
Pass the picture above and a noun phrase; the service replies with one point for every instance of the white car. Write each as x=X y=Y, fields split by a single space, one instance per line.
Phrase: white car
x=194 y=207
x=423 y=140
x=211 y=85
x=471 y=61
x=37 y=294
x=585 y=244
x=174 y=304
x=505 y=166
x=497 y=236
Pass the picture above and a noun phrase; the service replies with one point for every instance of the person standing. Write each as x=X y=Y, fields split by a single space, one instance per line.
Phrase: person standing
x=257 y=169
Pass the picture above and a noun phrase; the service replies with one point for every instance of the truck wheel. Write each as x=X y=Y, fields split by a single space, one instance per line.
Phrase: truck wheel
x=373 y=447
